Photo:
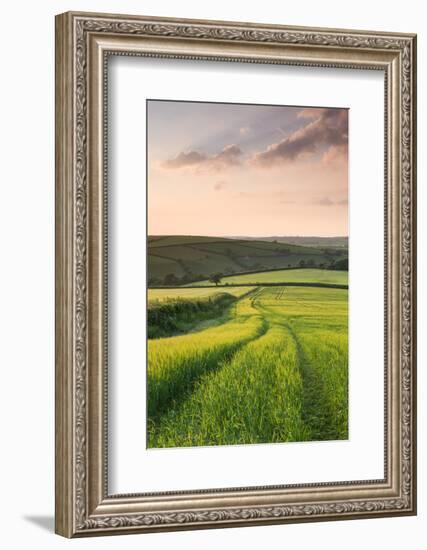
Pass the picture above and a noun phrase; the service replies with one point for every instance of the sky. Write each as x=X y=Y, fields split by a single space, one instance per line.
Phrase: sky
x=246 y=170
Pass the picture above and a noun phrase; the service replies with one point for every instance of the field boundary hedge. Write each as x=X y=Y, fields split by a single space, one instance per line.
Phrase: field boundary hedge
x=231 y=285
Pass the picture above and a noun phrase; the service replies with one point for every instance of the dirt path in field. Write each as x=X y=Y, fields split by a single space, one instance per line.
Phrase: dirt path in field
x=312 y=383
x=313 y=412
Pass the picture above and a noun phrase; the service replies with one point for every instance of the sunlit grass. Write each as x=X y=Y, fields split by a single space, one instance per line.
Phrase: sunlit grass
x=175 y=363
x=276 y=371
x=163 y=294
x=177 y=311
x=254 y=398
x=324 y=276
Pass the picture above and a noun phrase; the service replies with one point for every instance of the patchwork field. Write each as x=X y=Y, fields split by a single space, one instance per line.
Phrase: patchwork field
x=273 y=367
x=175 y=259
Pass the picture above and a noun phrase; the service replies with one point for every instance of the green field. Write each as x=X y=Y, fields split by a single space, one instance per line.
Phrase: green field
x=179 y=260
x=325 y=276
x=165 y=294
x=181 y=310
x=273 y=369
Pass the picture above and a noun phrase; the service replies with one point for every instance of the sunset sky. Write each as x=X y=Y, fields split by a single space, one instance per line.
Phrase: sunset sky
x=246 y=170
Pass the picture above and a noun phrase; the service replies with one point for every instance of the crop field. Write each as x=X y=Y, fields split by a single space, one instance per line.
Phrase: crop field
x=164 y=294
x=178 y=311
x=286 y=276
x=275 y=369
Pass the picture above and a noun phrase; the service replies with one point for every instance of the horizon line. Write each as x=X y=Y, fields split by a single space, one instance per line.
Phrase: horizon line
x=246 y=235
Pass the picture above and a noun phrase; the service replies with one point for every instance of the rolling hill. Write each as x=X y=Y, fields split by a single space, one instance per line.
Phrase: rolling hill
x=309 y=275
x=179 y=259
x=318 y=242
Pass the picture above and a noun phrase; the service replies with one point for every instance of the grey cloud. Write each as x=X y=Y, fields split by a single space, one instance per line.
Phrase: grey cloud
x=228 y=156
x=185 y=159
x=328 y=129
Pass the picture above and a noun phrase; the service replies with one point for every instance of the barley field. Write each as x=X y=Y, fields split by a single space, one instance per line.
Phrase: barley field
x=164 y=294
x=274 y=369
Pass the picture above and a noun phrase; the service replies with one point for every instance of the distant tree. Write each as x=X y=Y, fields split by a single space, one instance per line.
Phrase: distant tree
x=215 y=278
x=342 y=265
x=301 y=263
x=153 y=281
x=310 y=263
x=171 y=279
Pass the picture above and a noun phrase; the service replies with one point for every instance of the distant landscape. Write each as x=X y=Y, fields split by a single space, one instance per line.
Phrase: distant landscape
x=180 y=260
x=327 y=242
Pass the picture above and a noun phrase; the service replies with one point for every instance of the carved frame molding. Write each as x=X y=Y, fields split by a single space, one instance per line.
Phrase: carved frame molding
x=83 y=43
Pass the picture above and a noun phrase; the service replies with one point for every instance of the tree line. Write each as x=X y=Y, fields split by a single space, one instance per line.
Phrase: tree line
x=171 y=279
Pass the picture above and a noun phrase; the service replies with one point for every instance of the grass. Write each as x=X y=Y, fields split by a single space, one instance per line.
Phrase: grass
x=165 y=294
x=318 y=322
x=162 y=266
x=275 y=371
x=305 y=275
x=254 y=398
x=173 y=311
x=175 y=363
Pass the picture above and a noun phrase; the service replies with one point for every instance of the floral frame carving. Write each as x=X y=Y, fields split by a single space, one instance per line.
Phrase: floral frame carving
x=83 y=41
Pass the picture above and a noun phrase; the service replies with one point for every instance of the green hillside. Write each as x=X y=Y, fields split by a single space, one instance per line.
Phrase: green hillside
x=180 y=259
x=318 y=242
x=324 y=276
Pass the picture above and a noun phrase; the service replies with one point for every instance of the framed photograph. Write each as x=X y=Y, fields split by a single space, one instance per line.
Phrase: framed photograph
x=235 y=274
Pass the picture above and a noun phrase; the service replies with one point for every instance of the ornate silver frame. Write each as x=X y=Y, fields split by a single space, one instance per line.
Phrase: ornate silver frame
x=83 y=42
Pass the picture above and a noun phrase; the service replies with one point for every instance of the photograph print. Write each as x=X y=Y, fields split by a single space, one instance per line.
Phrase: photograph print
x=247 y=274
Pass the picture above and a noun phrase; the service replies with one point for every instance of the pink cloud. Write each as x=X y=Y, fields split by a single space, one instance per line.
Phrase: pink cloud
x=328 y=129
x=230 y=155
